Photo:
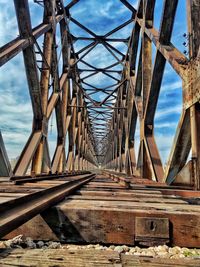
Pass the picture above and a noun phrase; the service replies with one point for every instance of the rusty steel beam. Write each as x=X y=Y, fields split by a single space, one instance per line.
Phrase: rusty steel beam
x=193 y=13
x=14 y=47
x=27 y=153
x=176 y=59
x=25 y=30
x=145 y=107
x=103 y=132
x=5 y=166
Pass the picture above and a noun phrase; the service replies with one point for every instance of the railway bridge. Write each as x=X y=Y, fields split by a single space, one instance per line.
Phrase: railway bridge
x=99 y=186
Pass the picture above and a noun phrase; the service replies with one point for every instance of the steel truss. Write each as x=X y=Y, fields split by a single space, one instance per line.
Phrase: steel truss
x=103 y=132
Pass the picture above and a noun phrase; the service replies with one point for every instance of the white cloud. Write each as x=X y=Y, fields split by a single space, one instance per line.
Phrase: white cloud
x=164 y=143
x=15 y=106
x=105 y=10
x=165 y=125
x=8 y=22
x=172 y=86
x=168 y=111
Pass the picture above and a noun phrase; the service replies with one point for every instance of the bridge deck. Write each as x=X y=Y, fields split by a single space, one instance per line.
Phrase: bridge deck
x=106 y=211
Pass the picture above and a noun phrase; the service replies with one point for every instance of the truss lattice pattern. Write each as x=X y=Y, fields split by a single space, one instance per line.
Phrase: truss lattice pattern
x=100 y=120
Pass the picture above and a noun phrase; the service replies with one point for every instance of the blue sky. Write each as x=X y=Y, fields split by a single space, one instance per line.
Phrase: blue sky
x=100 y=17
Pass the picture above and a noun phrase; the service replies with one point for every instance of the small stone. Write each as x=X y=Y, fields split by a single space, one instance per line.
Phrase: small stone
x=151 y=249
x=137 y=249
x=185 y=250
x=132 y=250
x=90 y=246
x=54 y=245
x=166 y=247
x=98 y=247
x=194 y=252
x=125 y=248
x=176 y=256
x=8 y=243
x=3 y=245
x=30 y=243
x=12 y=243
x=161 y=248
x=18 y=246
x=119 y=249
x=143 y=253
x=40 y=244
x=17 y=240
x=112 y=247
x=174 y=250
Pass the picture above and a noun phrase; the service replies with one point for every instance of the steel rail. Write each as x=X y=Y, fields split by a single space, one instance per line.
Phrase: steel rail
x=16 y=212
x=27 y=178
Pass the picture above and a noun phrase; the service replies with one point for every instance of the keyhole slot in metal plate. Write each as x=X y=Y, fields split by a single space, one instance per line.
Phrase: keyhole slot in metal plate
x=152 y=226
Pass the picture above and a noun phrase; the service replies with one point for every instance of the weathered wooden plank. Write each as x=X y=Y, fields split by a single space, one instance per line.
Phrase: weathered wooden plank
x=83 y=257
x=130 y=199
x=183 y=207
x=36 y=228
x=93 y=227
x=62 y=257
x=114 y=222
x=129 y=260
x=128 y=193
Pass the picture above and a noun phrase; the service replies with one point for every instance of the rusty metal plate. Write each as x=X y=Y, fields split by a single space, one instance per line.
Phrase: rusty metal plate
x=191 y=83
x=146 y=227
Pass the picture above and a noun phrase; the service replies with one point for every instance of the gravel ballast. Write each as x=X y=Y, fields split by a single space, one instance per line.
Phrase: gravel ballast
x=155 y=252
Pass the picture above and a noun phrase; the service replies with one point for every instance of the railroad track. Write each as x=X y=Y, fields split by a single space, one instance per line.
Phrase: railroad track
x=26 y=197
x=107 y=208
x=106 y=211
